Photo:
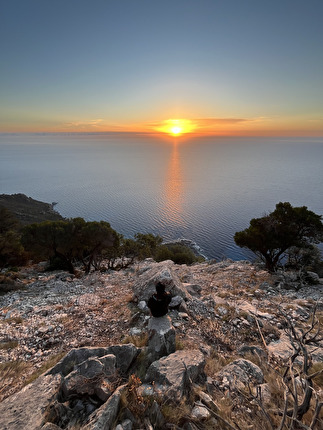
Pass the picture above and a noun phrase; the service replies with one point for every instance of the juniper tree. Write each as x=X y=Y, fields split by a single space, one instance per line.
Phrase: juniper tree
x=272 y=235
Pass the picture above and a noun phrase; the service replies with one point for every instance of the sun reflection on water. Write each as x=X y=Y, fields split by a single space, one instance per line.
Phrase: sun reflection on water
x=174 y=187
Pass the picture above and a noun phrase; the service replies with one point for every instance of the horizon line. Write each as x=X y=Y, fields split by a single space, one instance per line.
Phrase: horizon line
x=161 y=134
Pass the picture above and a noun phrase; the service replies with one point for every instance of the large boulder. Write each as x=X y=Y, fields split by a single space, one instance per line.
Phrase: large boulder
x=91 y=375
x=174 y=374
x=30 y=407
x=75 y=357
x=161 y=338
x=158 y=272
x=125 y=355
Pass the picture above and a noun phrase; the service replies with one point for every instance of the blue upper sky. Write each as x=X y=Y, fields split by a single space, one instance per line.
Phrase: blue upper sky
x=243 y=65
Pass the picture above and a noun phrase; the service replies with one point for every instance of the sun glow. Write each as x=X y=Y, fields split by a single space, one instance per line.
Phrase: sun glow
x=176 y=130
x=176 y=127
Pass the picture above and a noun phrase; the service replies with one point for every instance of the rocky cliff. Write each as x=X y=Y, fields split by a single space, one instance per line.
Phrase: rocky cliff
x=240 y=344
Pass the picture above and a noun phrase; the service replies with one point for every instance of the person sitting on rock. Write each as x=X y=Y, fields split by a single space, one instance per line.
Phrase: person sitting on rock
x=158 y=302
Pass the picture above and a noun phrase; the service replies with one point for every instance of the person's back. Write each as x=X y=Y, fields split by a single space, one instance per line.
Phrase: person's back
x=158 y=302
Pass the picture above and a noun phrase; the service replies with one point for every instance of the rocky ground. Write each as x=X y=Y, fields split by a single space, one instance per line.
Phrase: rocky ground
x=226 y=307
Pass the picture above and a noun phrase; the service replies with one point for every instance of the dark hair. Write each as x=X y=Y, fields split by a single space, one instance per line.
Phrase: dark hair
x=160 y=288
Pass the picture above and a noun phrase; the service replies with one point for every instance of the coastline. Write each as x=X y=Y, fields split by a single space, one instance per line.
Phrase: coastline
x=28 y=210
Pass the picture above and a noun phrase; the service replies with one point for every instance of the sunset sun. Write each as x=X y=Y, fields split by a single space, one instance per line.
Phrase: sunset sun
x=176 y=130
x=176 y=127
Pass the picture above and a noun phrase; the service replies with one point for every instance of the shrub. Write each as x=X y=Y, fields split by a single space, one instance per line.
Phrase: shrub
x=271 y=236
x=11 y=250
x=178 y=253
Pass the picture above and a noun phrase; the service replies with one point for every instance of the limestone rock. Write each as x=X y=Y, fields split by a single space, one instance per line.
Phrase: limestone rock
x=193 y=289
x=175 y=302
x=172 y=374
x=251 y=349
x=142 y=305
x=200 y=413
x=75 y=357
x=158 y=272
x=25 y=409
x=125 y=425
x=125 y=355
x=264 y=393
x=103 y=418
x=313 y=277
x=238 y=374
x=156 y=417
x=282 y=347
x=161 y=339
x=87 y=376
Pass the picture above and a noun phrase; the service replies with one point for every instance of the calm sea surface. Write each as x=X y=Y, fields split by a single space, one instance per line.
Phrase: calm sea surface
x=203 y=189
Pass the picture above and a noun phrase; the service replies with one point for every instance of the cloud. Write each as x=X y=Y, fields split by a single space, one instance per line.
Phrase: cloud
x=316 y=120
x=209 y=122
x=206 y=125
x=93 y=123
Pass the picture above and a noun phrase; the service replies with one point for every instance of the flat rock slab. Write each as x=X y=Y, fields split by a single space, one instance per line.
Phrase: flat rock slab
x=27 y=408
x=172 y=374
x=161 y=340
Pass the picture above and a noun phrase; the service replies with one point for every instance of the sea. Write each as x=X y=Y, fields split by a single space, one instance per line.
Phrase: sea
x=203 y=189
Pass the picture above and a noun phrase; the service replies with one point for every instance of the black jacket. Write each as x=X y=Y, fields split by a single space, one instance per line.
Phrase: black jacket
x=158 y=305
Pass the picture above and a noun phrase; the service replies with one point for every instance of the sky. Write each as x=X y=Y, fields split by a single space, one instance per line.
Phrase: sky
x=226 y=67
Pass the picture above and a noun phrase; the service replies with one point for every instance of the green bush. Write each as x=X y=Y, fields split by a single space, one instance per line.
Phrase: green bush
x=11 y=250
x=287 y=227
x=178 y=253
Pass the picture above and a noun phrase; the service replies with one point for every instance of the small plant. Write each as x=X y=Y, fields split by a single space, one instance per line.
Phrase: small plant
x=176 y=413
x=179 y=344
x=138 y=340
x=132 y=399
x=142 y=364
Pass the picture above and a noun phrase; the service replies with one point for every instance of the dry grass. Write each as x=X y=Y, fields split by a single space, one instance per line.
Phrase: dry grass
x=54 y=359
x=211 y=332
x=12 y=368
x=176 y=413
x=11 y=344
x=10 y=372
x=215 y=362
x=319 y=378
x=138 y=340
x=12 y=320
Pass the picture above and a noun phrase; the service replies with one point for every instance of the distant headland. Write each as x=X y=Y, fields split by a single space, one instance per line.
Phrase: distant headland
x=28 y=210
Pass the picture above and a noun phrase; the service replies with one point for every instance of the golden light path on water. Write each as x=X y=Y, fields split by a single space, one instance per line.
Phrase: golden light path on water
x=174 y=189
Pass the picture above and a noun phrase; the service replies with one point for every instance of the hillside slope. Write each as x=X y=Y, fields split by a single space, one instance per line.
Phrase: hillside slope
x=227 y=310
x=28 y=210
